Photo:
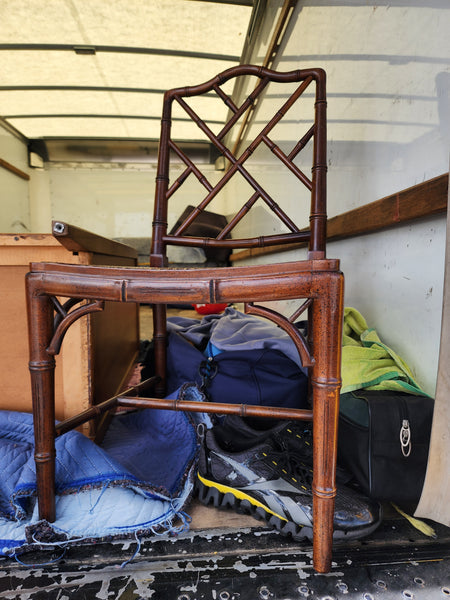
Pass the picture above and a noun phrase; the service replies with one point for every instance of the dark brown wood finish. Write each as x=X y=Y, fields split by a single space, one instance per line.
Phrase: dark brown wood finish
x=76 y=239
x=12 y=169
x=316 y=283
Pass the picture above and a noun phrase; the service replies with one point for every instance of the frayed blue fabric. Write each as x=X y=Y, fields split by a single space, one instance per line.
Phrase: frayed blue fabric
x=139 y=481
x=153 y=444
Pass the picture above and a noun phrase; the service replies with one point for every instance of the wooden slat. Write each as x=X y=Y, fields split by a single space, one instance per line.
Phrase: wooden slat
x=417 y=202
x=76 y=239
x=12 y=169
x=422 y=200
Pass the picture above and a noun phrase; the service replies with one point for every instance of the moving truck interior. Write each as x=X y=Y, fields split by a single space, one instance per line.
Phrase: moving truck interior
x=81 y=97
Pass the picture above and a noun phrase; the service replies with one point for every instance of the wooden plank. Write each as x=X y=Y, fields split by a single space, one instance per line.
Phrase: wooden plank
x=12 y=169
x=76 y=239
x=417 y=202
x=422 y=200
x=25 y=240
x=17 y=255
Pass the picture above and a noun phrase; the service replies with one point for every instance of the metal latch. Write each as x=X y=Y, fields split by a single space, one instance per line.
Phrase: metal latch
x=405 y=438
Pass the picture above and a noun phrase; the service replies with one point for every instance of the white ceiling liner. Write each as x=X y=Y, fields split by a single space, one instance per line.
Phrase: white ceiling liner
x=202 y=38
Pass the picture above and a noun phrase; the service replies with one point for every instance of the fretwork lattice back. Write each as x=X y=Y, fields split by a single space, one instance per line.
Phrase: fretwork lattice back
x=315 y=234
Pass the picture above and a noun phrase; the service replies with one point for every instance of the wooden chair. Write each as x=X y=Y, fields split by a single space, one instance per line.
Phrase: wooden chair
x=316 y=284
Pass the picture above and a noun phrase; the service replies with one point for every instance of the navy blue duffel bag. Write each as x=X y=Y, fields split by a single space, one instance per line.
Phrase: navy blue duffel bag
x=234 y=358
x=262 y=376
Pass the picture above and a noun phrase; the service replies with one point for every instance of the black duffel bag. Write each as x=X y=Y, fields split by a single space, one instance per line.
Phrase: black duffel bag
x=384 y=438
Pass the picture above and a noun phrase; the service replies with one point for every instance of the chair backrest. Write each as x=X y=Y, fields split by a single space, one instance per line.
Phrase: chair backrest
x=308 y=132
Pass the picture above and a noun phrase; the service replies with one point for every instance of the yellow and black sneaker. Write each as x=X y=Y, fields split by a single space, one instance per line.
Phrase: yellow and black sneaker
x=275 y=485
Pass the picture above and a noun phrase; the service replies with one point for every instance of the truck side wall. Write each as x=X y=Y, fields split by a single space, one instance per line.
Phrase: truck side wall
x=14 y=190
x=388 y=81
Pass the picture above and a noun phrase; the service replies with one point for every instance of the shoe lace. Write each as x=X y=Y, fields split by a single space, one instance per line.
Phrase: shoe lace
x=294 y=432
x=303 y=433
x=291 y=465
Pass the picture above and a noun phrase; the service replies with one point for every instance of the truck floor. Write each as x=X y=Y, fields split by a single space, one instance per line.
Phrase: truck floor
x=226 y=556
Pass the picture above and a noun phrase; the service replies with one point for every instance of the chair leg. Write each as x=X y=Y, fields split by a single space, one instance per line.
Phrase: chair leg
x=42 y=371
x=160 y=349
x=326 y=383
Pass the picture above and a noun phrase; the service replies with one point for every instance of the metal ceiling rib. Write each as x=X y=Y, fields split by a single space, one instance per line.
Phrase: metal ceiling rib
x=96 y=69
x=90 y=50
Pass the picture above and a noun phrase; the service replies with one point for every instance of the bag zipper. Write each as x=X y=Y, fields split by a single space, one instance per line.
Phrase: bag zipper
x=405 y=431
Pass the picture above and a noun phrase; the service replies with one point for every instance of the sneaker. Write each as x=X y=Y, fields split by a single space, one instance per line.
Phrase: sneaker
x=275 y=485
x=295 y=436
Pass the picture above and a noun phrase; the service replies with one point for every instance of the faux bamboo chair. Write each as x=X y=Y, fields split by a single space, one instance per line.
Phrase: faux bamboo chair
x=316 y=284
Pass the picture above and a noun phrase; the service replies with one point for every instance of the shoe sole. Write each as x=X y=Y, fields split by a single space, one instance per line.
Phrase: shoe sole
x=224 y=497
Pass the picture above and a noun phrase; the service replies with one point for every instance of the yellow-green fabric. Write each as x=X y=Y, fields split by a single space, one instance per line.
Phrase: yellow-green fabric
x=370 y=364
